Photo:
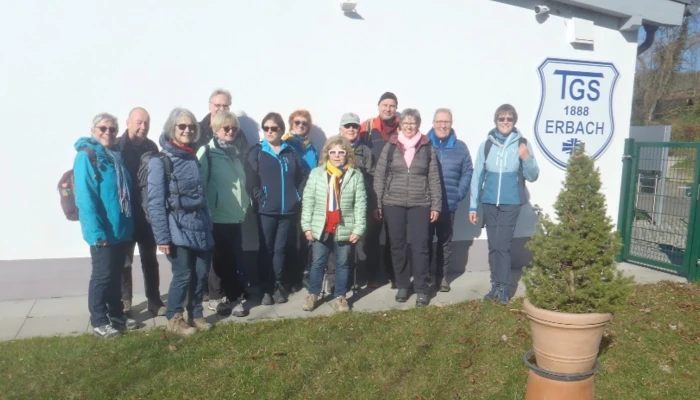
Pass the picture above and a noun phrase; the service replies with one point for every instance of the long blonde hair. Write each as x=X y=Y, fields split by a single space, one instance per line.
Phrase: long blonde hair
x=343 y=142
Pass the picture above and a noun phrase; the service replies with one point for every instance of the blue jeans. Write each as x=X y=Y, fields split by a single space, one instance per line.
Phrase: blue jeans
x=190 y=272
x=319 y=260
x=104 y=290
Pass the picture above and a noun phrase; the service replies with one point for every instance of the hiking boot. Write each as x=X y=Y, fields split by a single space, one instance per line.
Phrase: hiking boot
x=280 y=295
x=422 y=300
x=503 y=295
x=124 y=323
x=492 y=293
x=310 y=302
x=341 y=304
x=238 y=309
x=106 y=331
x=402 y=295
x=267 y=300
x=444 y=285
x=126 y=306
x=158 y=309
x=177 y=325
x=201 y=324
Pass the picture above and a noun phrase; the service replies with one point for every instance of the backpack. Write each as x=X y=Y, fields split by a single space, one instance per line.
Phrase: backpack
x=66 y=187
x=142 y=176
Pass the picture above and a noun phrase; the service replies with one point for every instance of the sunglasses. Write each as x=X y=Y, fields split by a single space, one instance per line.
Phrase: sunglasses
x=503 y=119
x=302 y=123
x=271 y=128
x=337 y=152
x=183 y=126
x=351 y=125
x=228 y=129
x=103 y=129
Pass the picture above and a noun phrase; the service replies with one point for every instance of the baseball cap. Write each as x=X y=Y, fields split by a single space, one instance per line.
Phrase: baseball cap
x=349 y=118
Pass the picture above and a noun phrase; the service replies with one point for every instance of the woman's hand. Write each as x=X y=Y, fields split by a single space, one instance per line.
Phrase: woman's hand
x=473 y=218
x=354 y=238
x=523 y=152
x=164 y=248
x=378 y=215
x=309 y=236
x=434 y=216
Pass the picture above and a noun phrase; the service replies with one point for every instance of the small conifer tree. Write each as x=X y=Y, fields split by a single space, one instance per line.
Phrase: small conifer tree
x=573 y=267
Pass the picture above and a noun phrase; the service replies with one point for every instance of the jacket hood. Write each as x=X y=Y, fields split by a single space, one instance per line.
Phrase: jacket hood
x=265 y=146
x=436 y=141
x=514 y=136
x=88 y=142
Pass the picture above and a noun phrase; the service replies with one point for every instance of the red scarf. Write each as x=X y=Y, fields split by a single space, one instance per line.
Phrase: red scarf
x=188 y=149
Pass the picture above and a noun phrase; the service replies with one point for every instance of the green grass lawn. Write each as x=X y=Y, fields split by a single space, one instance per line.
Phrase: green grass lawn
x=469 y=351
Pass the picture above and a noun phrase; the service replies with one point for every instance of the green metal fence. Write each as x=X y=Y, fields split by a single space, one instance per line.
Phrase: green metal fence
x=658 y=216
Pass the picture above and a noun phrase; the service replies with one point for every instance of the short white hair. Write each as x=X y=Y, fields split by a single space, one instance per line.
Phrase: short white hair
x=442 y=110
x=175 y=115
x=219 y=92
x=105 y=117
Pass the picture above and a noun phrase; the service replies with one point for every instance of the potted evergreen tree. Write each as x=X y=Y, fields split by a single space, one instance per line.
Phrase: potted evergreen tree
x=573 y=286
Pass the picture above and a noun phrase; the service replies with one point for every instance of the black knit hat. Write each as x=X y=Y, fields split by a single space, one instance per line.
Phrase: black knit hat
x=388 y=95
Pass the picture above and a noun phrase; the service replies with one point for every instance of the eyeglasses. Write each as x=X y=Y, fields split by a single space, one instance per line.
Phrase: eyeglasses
x=503 y=119
x=443 y=122
x=271 y=128
x=351 y=125
x=302 y=123
x=409 y=123
x=183 y=126
x=103 y=129
x=228 y=129
x=221 y=106
x=341 y=153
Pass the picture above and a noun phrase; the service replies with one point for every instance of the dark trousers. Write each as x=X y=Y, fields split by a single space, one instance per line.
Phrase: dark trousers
x=368 y=253
x=104 y=290
x=149 y=266
x=274 y=232
x=398 y=219
x=443 y=228
x=190 y=269
x=227 y=258
x=500 y=225
x=298 y=261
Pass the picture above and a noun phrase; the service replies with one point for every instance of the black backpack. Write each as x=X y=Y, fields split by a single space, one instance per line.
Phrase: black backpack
x=487 y=149
x=142 y=175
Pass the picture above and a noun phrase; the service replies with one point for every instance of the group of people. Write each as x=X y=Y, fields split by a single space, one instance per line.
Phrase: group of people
x=189 y=199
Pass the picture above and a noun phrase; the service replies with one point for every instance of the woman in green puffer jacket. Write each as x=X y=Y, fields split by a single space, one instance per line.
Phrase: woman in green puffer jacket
x=334 y=208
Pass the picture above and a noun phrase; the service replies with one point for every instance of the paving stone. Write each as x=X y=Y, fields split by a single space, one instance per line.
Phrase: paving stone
x=9 y=327
x=54 y=326
x=15 y=309
x=61 y=306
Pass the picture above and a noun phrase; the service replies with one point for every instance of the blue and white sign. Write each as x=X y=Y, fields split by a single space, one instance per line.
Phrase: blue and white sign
x=576 y=106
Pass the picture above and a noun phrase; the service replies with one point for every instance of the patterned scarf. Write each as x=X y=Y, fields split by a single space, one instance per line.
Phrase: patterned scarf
x=303 y=140
x=229 y=148
x=122 y=185
x=335 y=176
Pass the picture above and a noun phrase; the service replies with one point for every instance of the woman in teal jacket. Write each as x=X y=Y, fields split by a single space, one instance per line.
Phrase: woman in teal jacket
x=102 y=196
x=503 y=164
x=224 y=180
x=333 y=216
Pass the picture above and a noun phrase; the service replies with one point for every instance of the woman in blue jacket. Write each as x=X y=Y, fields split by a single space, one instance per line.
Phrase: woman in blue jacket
x=102 y=195
x=275 y=180
x=181 y=222
x=503 y=164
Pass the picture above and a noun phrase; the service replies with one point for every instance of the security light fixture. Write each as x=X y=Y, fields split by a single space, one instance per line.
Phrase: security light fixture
x=348 y=6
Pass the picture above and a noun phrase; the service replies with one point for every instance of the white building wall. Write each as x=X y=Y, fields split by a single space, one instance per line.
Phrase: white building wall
x=64 y=62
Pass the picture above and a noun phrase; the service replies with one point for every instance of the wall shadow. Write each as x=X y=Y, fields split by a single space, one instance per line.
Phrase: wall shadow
x=353 y=15
x=318 y=138
x=249 y=127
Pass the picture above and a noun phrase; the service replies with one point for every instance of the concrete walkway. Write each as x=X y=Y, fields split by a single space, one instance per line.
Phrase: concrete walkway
x=69 y=316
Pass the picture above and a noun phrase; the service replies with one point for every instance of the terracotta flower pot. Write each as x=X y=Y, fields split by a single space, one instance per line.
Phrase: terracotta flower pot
x=564 y=342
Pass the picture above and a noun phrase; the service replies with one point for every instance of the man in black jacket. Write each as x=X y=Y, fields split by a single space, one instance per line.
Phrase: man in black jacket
x=133 y=144
x=220 y=99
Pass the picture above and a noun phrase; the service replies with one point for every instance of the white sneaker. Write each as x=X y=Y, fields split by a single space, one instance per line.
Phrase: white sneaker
x=239 y=309
x=106 y=331
x=213 y=304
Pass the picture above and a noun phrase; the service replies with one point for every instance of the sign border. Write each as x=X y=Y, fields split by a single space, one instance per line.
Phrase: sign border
x=543 y=95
